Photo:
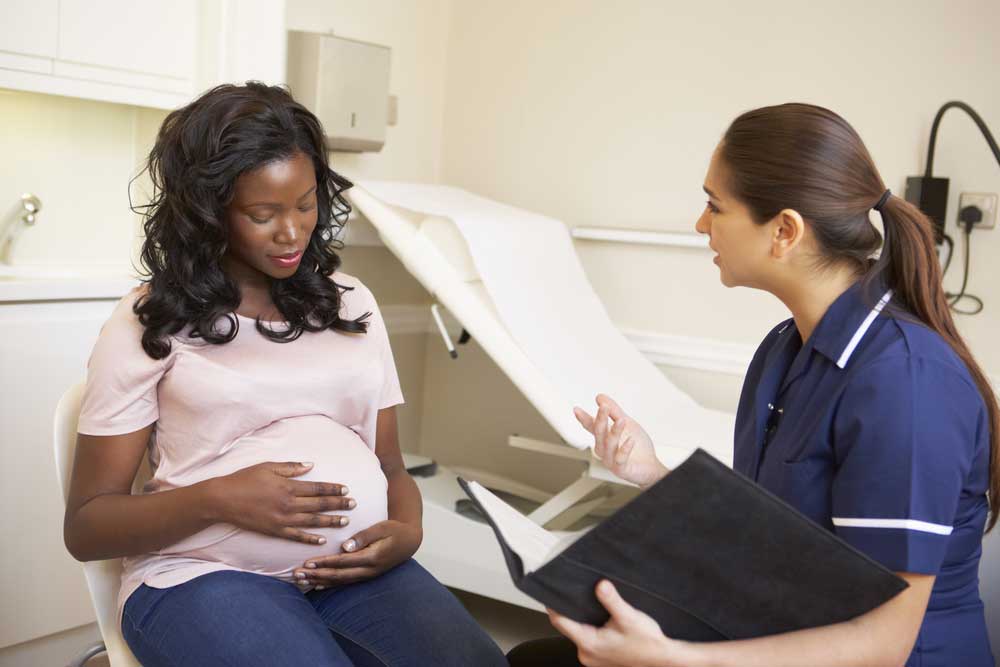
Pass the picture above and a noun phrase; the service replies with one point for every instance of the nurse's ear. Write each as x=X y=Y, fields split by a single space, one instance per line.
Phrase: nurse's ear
x=788 y=229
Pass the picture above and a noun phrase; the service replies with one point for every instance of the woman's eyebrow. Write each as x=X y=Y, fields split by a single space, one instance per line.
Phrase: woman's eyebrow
x=709 y=192
x=276 y=205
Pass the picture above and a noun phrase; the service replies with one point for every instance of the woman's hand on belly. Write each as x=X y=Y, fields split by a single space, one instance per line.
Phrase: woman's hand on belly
x=265 y=499
x=366 y=555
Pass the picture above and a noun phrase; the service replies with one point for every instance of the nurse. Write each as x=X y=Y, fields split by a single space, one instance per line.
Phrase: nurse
x=865 y=411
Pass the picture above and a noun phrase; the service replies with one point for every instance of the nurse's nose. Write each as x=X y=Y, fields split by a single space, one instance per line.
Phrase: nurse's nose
x=704 y=223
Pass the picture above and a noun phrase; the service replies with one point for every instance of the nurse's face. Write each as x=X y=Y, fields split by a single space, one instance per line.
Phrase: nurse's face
x=271 y=218
x=742 y=246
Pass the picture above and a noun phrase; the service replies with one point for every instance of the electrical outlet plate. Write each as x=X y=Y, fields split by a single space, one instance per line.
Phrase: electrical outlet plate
x=987 y=203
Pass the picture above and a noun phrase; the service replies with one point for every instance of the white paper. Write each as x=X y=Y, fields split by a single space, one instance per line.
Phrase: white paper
x=535 y=545
x=534 y=277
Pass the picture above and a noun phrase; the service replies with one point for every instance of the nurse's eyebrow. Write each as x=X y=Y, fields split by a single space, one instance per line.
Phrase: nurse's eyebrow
x=709 y=192
x=274 y=205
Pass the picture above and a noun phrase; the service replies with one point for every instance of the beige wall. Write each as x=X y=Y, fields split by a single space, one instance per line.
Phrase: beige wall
x=416 y=31
x=606 y=113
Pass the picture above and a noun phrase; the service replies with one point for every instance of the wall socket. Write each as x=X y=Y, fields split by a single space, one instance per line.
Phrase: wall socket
x=987 y=203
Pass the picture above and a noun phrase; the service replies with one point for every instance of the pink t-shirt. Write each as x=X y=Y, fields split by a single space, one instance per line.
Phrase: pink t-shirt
x=220 y=408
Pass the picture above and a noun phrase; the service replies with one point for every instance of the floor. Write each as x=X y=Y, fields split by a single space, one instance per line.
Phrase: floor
x=507 y=624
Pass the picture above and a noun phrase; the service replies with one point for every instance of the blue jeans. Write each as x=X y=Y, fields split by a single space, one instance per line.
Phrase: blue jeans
x=403 y=617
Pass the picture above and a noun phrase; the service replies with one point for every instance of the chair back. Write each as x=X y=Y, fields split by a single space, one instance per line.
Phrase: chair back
x=103 y=576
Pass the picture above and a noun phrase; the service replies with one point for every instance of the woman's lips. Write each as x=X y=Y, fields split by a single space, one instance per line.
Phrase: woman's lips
x=286 y=261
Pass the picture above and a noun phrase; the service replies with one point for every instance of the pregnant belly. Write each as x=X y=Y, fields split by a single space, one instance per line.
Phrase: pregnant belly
x=338 y=455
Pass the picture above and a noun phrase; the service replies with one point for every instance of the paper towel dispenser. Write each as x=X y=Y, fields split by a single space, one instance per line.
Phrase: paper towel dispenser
x=345 y=83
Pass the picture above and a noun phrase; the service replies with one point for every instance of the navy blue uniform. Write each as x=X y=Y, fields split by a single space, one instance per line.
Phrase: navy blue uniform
x=875 y=429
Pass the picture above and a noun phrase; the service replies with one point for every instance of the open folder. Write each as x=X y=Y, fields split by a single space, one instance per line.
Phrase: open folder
x=705 y=551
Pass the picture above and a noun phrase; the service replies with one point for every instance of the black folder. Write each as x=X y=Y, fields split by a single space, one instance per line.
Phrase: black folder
x=710 y=555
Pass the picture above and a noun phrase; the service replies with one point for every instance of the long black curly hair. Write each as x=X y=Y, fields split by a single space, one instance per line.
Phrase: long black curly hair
x=200 y=151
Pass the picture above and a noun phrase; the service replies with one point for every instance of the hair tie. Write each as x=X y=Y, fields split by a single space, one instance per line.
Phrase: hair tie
x=882 y=200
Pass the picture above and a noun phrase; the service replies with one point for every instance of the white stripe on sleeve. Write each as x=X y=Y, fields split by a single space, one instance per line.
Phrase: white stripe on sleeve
x=906 y=524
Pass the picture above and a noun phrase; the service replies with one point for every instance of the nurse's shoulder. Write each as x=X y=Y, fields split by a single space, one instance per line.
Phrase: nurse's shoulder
x=912 y=394
x=905 y=343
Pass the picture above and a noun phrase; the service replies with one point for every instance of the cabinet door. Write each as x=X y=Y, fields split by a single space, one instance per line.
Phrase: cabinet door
x=141 y=36
x=44 y=347
x=29 y=27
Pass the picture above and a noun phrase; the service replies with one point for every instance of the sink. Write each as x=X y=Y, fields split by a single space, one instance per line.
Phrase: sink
x=13 y=272
x=60 y=282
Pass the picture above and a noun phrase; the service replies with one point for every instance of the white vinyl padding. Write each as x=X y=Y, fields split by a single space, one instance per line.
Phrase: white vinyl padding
x=515 y=282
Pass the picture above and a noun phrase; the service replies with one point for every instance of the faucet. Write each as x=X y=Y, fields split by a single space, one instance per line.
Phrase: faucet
x=21 y=215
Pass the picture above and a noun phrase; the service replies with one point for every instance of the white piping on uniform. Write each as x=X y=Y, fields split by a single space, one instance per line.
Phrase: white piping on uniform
x=907 y=524
x=859 y=334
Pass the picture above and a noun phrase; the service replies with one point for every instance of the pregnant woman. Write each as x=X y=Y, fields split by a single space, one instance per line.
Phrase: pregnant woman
x=279 y=525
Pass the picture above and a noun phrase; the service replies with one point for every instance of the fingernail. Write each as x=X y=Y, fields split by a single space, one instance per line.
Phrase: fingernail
x=307 y=464
x=343 y=521
x=344 y=490
x=300 y=575
x=320 y=588
x=352 y=503
x=310 y=566
x=322 y=540
x=350 y=545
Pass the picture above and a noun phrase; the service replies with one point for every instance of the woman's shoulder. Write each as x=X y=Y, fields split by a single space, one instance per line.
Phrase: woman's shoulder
x=356 y=299
x=123 y=319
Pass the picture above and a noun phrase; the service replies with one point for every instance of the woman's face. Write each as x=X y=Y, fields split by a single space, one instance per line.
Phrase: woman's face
x=742 y=246
x=270 y=220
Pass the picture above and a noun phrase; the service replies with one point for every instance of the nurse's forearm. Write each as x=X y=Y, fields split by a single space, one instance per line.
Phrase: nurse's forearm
x=883 y=636
x=841 y=645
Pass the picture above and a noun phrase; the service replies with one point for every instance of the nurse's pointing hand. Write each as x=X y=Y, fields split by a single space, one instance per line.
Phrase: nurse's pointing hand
x=621 y=444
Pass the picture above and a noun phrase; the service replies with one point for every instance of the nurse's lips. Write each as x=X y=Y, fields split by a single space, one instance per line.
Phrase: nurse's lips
x=288 y=260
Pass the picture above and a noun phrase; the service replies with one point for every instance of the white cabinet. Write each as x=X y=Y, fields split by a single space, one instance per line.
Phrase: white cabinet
x=29 y=28
x=149 y=53
x=146 y=43
x=44 y=348
x=139 y=52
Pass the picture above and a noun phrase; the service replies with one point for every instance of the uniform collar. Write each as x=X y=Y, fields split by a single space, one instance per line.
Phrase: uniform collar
x=846 y=321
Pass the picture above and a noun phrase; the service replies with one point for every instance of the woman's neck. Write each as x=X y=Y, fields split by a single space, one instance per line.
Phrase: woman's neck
x=809 y=296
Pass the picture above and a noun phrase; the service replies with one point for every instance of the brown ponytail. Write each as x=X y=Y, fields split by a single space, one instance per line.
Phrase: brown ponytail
x=809 y=159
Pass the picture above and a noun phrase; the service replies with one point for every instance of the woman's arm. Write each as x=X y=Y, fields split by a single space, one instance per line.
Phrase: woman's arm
x=405 y=503
x=103 y=519
x=881 y=637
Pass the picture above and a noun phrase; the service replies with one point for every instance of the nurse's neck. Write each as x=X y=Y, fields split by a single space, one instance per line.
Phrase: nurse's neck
x=809 y=295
